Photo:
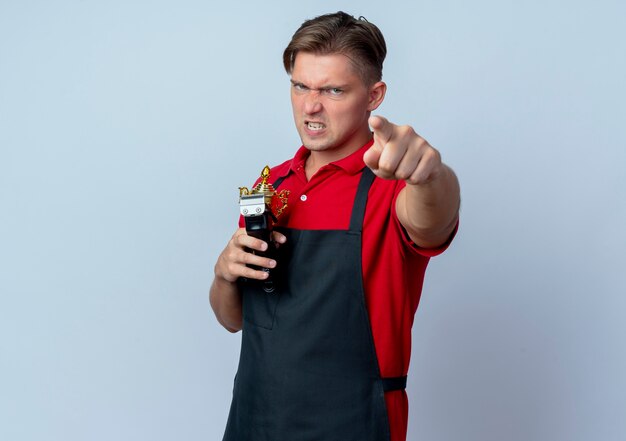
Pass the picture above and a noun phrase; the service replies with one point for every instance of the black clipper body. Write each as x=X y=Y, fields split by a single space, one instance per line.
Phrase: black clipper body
x=256 y=208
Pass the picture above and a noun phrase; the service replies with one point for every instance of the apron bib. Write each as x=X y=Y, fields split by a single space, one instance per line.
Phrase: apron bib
x=308 y=369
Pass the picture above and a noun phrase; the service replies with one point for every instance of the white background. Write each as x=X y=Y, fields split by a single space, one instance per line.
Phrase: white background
x=126 y=128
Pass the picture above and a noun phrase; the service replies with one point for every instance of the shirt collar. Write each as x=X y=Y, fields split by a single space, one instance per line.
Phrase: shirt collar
x=351 y=164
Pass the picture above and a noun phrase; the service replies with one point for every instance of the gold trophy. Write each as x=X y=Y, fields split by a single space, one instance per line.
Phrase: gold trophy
x=260 y=209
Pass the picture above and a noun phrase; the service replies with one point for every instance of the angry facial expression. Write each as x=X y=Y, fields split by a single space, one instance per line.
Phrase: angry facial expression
x=331 y=103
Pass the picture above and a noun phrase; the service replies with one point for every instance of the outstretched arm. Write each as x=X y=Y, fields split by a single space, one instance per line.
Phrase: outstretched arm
x=428 y=207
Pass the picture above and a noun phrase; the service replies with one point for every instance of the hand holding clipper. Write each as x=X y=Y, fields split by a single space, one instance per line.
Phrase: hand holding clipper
x=256 y=208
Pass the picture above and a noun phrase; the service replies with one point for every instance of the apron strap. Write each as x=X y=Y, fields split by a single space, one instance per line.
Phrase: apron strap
x=356 y=224
x=278 y=182
x=394 y=383
x=360 y=201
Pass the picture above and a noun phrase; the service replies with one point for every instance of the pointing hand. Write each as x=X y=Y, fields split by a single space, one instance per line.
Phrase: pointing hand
x=400 y=153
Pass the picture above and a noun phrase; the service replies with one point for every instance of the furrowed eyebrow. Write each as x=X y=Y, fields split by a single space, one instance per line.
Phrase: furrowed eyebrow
x=326 y=87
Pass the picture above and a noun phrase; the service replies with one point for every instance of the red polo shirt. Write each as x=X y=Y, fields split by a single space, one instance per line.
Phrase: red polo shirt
x=393 y=267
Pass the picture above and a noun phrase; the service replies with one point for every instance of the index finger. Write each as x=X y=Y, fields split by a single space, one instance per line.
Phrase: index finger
x=244 y=240
x=383 y=129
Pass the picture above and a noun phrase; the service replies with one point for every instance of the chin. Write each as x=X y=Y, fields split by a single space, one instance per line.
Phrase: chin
x=316 y=146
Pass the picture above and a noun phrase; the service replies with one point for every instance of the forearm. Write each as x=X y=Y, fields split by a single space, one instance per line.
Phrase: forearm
x=429 y=211
x=237 y=260
x=225 y=300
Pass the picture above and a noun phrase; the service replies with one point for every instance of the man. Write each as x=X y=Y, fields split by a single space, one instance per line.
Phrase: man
x=325 y=356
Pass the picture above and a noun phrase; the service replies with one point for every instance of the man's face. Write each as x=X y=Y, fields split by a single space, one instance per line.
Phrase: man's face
x=331 y=103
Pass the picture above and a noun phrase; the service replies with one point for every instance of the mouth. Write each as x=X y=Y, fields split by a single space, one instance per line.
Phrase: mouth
x=314 y=126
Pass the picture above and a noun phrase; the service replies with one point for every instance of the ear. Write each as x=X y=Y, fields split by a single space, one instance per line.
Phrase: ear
x=376 y=95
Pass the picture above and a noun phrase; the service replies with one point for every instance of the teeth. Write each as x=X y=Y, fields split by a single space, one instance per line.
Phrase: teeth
x=315 y=126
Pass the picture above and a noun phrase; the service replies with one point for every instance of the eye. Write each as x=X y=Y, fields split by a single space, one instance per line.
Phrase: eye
x=299 y=87
x=334 y=91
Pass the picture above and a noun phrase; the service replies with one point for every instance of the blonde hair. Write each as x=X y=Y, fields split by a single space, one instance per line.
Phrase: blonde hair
x=341 y=33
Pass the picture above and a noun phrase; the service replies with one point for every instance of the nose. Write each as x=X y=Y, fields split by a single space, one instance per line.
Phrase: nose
x=312 y=102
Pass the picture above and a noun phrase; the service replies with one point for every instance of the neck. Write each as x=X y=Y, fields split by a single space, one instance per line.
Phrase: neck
x=318 y=159
x=313 y=164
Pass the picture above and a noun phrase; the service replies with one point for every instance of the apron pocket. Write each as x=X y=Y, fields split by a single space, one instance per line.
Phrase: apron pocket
x=259 y=307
